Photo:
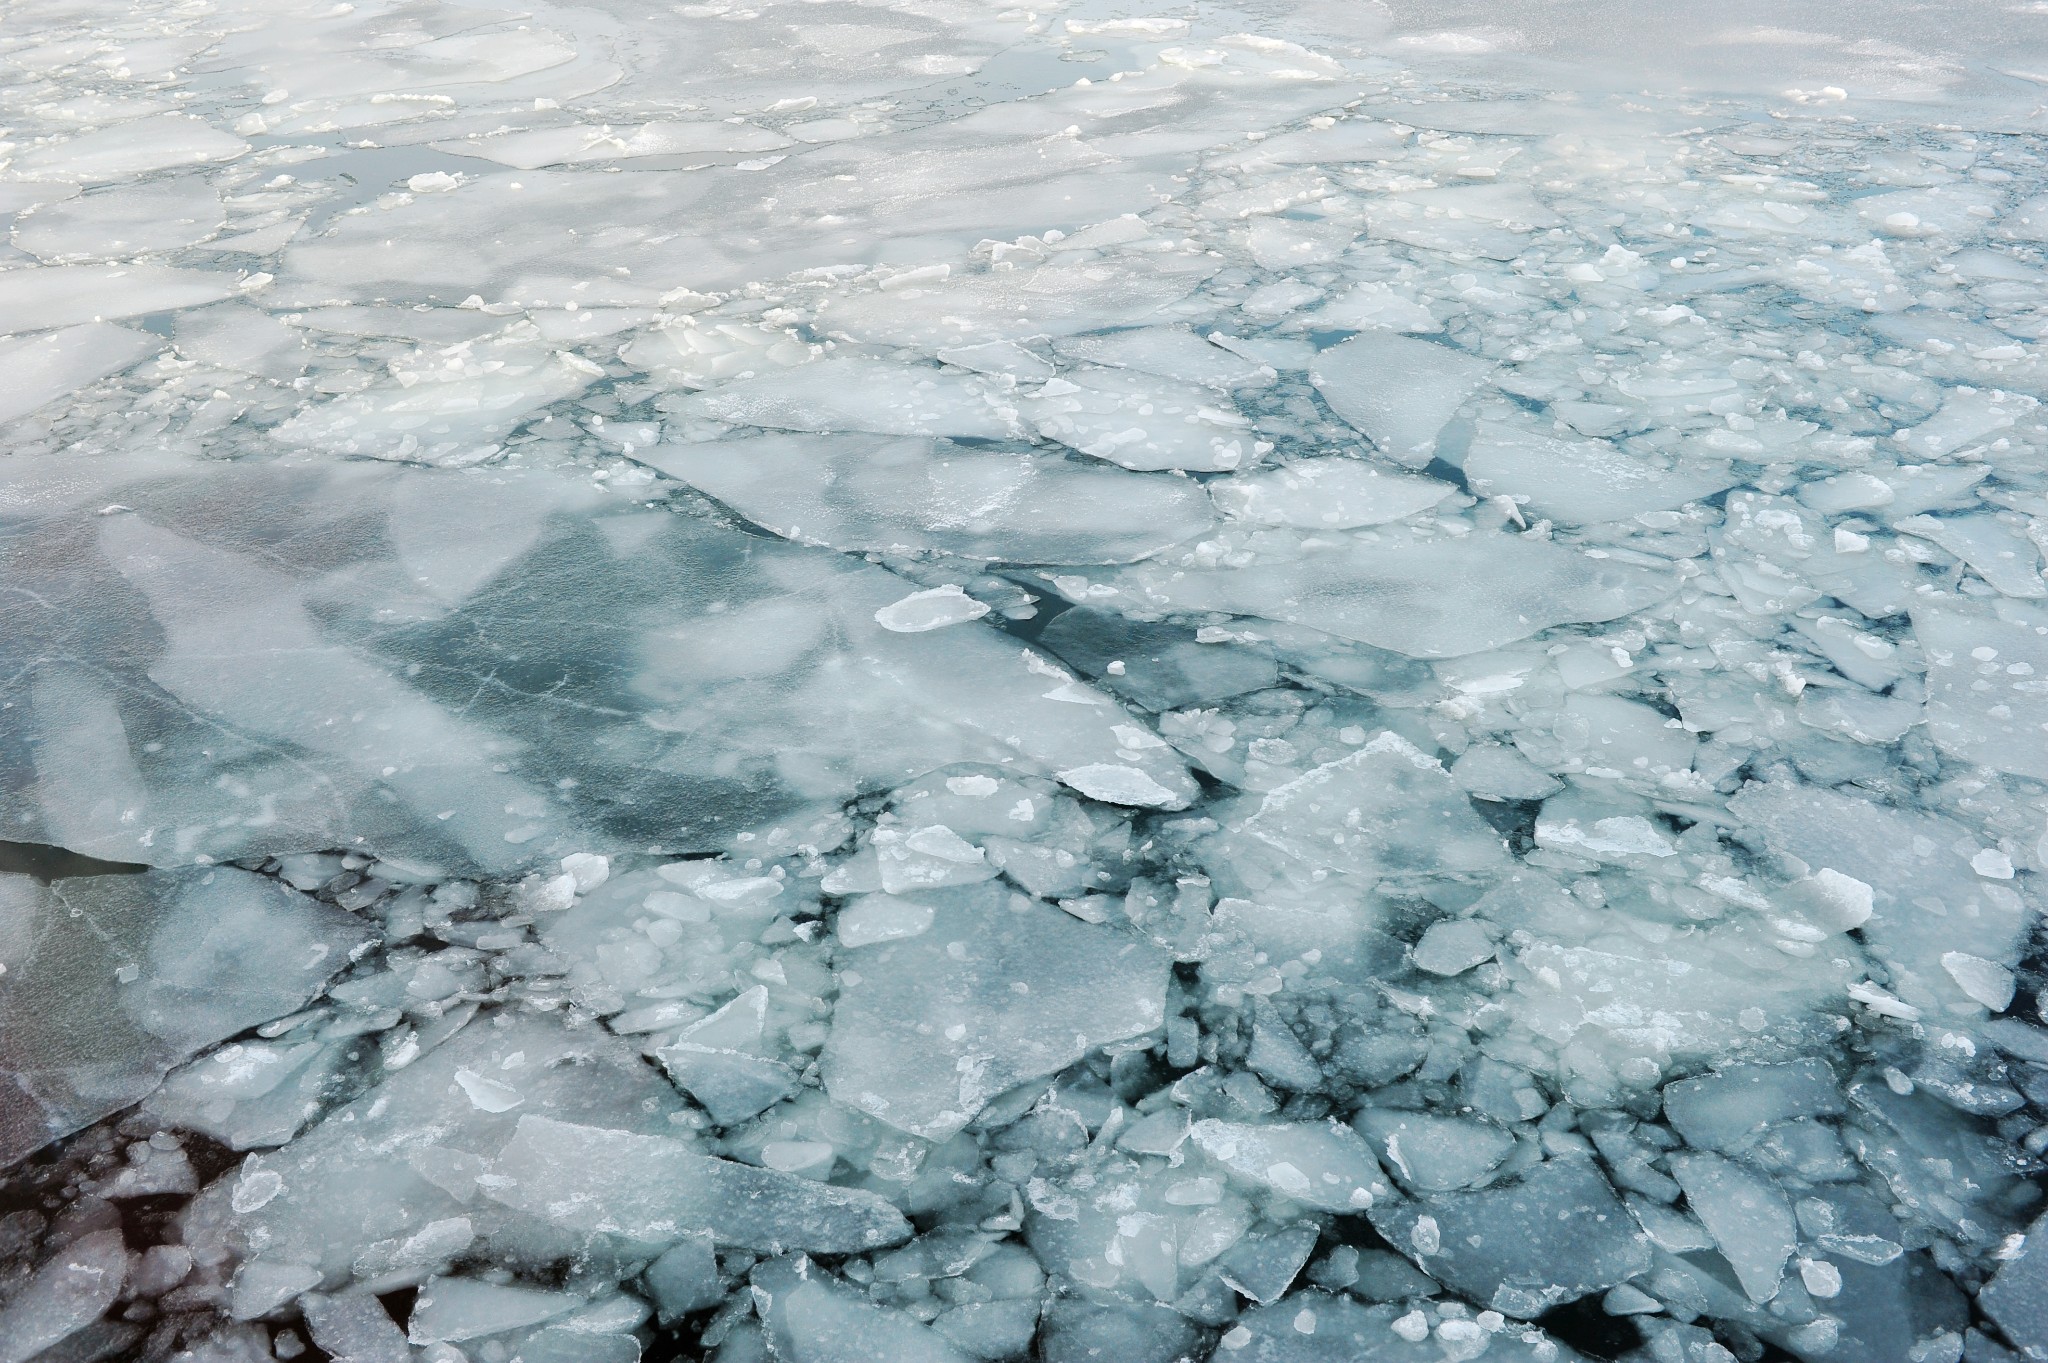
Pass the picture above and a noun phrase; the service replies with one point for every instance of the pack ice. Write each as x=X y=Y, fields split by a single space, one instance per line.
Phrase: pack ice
x=891 y=680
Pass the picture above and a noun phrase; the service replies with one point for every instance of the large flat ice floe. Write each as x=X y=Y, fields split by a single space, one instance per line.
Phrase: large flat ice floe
x=877 y=680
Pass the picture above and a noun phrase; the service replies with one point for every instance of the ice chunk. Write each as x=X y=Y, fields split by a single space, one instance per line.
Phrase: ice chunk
x=1388 y=590
x=853 y=492
x=851 y=394
x=1578 y=481
x=812 y=1319
x=449 y=1310
x=2000 y=552
x=1984 y=684
x=1494 y=772
x=2017 y=1298
x=128 y=149
x=720 y=1061
x=235 y=336
x=1277 y=1055
x=1557 y=1235
x=1726 y=1110
x=354 y=1328
x=1168 y=352
x=111 y=980
x=1319 y=1164
x=1453 y=946
x=1142 y=422
x=70 y=1290
x=1114 y=784
x=1334 y=494
x=39 y=298
x=578 y=144
x=1399 y=391
x=447 y=414
x=163 y=215
x=881 y=918
x=1988 y=982
x=42 y=369
x=1388 y=811
x=998 y=991
x=685 y=1278
x=1747 y=1216
x=1431 y=1153
x=657 y=1190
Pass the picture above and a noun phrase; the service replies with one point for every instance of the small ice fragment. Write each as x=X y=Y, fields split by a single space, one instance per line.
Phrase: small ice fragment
x=488 y=1095
x=1848 y=896
x=881 y=918
x=929 y=610
x=433 y=182
x=1822 y=1279
x=1413 y=1327
x=1992 y=864
x=255 y=1189
x=1117 y=785
x=587 y=869
x=797 y=1157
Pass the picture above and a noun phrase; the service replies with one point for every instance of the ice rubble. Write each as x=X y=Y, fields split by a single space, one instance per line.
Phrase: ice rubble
x=864 y=681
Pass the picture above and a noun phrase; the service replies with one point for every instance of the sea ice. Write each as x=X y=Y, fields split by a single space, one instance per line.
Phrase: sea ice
x=830 y=682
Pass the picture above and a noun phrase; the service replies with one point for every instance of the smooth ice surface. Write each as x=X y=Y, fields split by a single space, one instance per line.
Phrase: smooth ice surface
x=886 y=679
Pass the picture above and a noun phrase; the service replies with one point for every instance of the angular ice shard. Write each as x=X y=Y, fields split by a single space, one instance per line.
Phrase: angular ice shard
x=875 y=493
x=999 y=991
x=110 y=980
x=448 y=412
x=1167 y=352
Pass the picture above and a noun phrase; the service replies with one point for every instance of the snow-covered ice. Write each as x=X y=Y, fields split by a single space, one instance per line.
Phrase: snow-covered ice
x=884 y=679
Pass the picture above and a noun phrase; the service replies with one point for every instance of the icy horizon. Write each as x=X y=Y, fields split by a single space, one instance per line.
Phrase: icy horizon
x=843 y=682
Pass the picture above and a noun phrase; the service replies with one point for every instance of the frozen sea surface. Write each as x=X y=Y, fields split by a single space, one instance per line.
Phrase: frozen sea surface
x=850 y=682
